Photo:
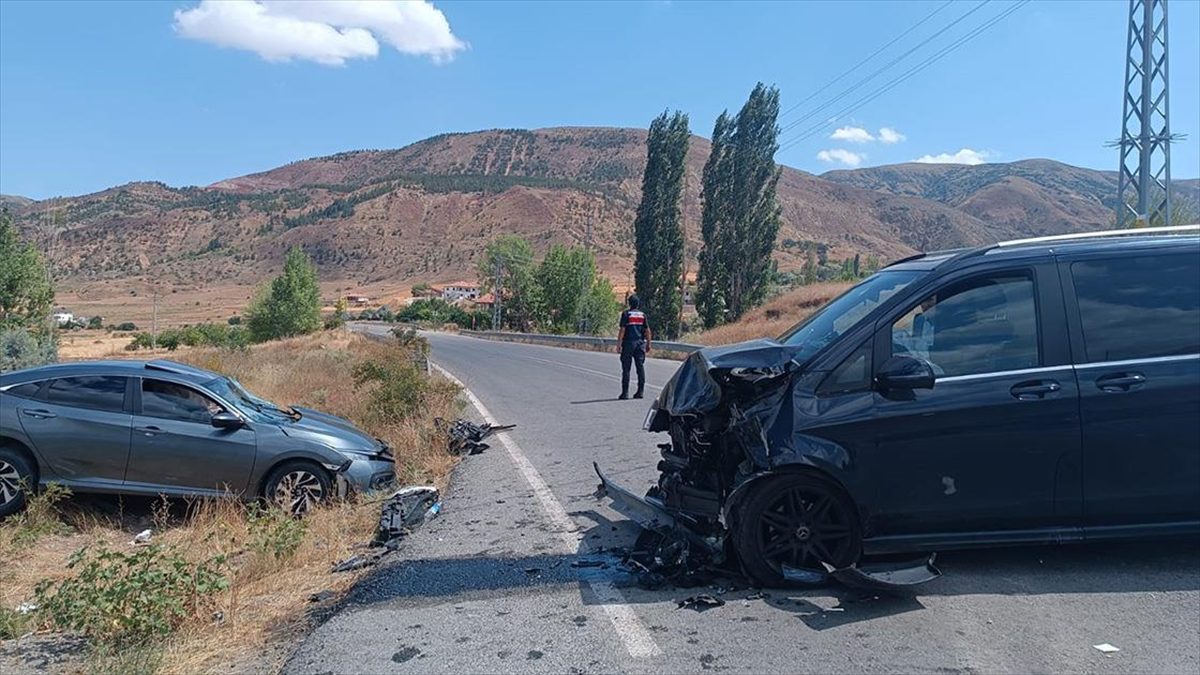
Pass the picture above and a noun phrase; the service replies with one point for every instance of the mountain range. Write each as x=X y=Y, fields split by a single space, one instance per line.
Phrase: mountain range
x=386 y=219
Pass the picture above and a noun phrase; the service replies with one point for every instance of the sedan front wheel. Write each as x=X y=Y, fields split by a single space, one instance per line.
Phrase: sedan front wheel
x=298 y=487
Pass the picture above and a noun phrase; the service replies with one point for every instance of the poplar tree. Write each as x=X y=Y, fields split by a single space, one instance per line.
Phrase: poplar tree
x=658 y=227
x=741 y=213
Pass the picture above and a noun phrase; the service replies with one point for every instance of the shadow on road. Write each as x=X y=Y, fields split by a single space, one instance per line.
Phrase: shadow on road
x=613 y=399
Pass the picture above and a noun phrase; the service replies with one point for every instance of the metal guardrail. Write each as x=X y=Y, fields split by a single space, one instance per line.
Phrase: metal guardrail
x=678 y=348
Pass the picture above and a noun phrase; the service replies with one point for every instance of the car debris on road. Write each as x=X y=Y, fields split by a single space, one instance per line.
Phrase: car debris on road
x=700 y=603
x=404 y=512
x=466 y=438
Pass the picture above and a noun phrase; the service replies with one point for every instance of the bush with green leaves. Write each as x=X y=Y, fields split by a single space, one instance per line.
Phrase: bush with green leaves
x=115 y=595
x=274 y=532
x=23 y=348
x=398 y=388
x=126 y=327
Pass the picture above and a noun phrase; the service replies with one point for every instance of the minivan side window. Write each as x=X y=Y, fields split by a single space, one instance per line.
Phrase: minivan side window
x=172 y=401
x=98 y=392
x=1138 y=307
x=981 y=325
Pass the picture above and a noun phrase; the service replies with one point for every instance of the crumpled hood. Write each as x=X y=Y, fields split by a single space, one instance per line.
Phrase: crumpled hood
x=694 y=388
x=330 y=430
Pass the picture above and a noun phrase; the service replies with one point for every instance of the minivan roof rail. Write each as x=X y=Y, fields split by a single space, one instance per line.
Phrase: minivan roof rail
x=1130 y=232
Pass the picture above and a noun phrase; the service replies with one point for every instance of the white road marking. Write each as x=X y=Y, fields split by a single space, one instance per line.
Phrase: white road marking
x=628 y=626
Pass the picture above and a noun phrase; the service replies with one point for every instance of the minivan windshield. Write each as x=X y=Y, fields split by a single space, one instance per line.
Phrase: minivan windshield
x=259 y=408
x=845 y=311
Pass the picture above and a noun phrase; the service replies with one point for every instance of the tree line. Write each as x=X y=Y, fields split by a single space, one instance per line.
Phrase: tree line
x=740 y=215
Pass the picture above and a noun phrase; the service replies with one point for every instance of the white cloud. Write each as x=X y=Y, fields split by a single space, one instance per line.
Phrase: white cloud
x=325 y=31
x=852 y=134
x=889 y=135
x=964 y=156
x=840 y=156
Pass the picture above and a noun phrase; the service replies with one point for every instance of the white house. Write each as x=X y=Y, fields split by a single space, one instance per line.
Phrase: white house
x=63 y=318
x=460 y=290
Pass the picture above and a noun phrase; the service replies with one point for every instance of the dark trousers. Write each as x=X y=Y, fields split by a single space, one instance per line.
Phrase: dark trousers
x=629 y=357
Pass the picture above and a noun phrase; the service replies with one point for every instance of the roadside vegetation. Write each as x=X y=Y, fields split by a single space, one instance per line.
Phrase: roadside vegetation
x=773 y=318
x=221 y=580
x=26 y=299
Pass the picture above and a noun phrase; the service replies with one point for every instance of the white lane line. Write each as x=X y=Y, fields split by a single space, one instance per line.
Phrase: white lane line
x=628 y=626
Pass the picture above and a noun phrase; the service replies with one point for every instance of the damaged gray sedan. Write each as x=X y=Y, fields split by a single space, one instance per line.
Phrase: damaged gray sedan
x=1029 y=392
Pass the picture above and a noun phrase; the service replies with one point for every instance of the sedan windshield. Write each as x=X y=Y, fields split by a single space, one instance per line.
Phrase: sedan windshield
x=845 y=312
x=259 y=408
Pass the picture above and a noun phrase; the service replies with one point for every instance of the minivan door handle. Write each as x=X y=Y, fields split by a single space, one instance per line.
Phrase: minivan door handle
x=39 y=414
x=1035 y=390
x=1120 y=382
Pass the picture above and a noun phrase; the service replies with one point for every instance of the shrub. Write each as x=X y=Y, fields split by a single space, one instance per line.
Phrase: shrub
x=273 y=532
x=96 y=322
x=39 y=518
x=127 y=326
x=120 y=596
x=21 y=348
x=399 y=388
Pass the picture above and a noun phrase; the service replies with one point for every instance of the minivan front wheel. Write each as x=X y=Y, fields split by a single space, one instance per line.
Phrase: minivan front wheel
x=16 y=479
x=798 y=521
x=298 y=487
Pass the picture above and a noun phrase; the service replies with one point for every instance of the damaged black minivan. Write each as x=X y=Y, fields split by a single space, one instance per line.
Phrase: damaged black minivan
x=1034 y=391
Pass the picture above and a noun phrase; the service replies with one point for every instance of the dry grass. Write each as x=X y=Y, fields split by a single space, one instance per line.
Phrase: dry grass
x=267 y=598
x=774 y=317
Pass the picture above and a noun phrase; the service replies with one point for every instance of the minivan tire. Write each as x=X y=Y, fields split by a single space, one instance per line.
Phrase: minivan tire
x=17 y=478
x=796 y=519
x=309 y=481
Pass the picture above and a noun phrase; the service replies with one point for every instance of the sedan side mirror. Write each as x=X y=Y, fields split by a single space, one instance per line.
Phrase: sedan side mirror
x=227 y=420
x=904 y=373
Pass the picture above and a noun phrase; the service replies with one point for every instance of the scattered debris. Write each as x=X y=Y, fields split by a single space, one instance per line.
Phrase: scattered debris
x=26 y=607
x=534 y=655
x=757 y=595
x=1107 y=648
x=589 y=563
x=142 y=538
x=406 y=654
x=531 y=571
x=466 y=438
x=406 y=510
x=700 y=603
x=892 y=576
x=803 y=577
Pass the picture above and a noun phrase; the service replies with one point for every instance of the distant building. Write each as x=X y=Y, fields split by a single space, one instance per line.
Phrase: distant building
x=485 y=300
x=357 y=300
x=63 y=318
x=460 y=290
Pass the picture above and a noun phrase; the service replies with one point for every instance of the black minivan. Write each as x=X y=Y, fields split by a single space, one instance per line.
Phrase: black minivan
x=1033 y=391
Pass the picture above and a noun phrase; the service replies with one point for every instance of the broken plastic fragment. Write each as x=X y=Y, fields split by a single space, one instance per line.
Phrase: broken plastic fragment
x=803 y=577
x=466 y=438
x=700 y=603
x=898 y=576
x=1107 y=648
x=142 y=538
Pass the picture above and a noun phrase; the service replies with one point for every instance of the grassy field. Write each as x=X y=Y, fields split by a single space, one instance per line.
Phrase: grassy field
x=773 y=318
x=268 y=564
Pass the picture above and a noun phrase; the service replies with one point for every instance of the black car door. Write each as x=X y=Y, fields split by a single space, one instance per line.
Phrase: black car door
x=994 y=445
x=176 y=448
x=1136 y=324
x=80 y=426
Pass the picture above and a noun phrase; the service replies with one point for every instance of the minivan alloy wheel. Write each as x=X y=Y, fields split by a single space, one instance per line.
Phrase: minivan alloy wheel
x=298 y=491
x=10 y=482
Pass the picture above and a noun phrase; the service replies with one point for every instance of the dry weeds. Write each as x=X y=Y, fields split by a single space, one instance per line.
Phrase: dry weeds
x=268 y=597
x=773 y=318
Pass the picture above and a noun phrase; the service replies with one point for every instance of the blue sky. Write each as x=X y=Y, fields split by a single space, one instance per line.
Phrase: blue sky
x=95 y=94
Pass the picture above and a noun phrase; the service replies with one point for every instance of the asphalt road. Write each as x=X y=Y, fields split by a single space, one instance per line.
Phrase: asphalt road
x=490 y=587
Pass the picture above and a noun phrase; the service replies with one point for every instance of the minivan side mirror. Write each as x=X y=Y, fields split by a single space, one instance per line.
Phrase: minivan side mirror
x=227 y=420
x=901 y=373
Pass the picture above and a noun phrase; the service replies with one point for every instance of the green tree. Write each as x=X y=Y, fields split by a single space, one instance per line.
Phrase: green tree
x=565 y=276
x=599 y=309
x=26 y=295
x=507 y=269
x=658 y=227
x=290 y=304
x=741 y=213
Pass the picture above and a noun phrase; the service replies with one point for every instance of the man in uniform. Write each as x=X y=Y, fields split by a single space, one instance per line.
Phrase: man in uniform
x=634 y=337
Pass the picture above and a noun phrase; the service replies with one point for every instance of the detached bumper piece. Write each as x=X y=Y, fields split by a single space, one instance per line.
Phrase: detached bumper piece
x=404 y=512
x=889 y=577
x=465 y=438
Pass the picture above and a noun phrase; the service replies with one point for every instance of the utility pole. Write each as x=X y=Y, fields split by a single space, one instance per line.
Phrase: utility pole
x=1144 y=182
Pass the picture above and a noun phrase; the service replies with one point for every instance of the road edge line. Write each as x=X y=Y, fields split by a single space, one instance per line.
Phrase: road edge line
x=628 y=625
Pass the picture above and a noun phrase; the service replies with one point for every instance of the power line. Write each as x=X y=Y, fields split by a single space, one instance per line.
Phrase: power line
x=852 y=88
x=816 y=128
x=864 y=61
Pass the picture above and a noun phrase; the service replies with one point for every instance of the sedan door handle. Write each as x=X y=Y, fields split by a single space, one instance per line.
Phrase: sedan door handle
x=150 y=430
x=1120 y=382
x=39 y=414
x=1033 y=391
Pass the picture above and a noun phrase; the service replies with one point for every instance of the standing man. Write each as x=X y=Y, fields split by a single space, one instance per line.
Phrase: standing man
x=635 y=343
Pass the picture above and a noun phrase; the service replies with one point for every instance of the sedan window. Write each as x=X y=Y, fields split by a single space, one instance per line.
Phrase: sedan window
x=96 y=392
x=169 y=400
x=983 y=325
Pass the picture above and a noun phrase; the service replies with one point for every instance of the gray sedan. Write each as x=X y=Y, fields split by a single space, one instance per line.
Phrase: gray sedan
x=164 y=428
